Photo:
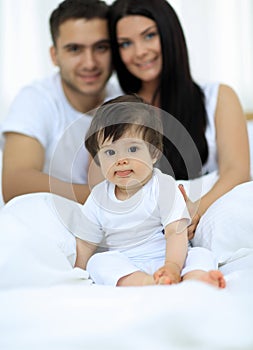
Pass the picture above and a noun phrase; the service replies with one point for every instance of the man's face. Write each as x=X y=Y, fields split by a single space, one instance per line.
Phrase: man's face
x=83 y=56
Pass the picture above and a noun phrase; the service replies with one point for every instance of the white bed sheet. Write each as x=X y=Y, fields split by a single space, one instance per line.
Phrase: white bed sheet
x=56 y=307
x=72 y=314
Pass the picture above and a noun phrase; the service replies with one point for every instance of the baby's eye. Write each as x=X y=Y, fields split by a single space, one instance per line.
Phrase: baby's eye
x=133 y=149
x=110 y=152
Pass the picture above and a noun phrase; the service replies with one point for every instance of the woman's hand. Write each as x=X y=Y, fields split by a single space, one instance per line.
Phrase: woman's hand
x=192 y=208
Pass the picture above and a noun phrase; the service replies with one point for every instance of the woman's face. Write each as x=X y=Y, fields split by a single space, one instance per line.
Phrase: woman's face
x=139 y=46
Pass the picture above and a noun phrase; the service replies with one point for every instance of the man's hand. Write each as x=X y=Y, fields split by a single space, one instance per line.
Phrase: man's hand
x=192 y=208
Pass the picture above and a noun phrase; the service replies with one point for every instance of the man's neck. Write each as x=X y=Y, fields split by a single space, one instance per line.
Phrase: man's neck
x=88 y=103
x=81 y=102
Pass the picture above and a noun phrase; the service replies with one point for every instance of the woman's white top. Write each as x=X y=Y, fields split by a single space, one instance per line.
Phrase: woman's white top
x=211 y=96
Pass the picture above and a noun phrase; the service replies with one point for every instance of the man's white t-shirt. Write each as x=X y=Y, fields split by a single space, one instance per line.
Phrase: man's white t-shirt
x=41 y=111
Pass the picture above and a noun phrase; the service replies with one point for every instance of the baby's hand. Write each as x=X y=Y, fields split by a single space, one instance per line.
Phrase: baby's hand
x=167 y=274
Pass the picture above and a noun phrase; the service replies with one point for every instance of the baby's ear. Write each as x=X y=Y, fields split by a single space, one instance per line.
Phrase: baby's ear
x=154 y=160
x=156 y=155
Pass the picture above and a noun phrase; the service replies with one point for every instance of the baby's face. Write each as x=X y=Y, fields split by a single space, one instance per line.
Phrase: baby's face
x=126 y=162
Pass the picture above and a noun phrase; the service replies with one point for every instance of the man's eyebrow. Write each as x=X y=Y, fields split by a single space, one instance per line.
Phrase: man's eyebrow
x=103 y=41
x=99 y=42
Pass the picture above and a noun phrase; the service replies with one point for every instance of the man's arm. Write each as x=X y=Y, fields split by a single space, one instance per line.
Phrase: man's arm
x=23 y=161
x=84 y=250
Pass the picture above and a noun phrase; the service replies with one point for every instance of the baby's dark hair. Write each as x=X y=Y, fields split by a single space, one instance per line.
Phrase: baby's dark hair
x=116 y=116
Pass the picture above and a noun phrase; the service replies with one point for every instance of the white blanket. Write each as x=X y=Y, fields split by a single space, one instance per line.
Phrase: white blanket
x=75 y=316
x=46 y=304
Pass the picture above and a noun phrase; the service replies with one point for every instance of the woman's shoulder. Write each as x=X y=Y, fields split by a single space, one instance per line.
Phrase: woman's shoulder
x=227 y=91
x=215 y=90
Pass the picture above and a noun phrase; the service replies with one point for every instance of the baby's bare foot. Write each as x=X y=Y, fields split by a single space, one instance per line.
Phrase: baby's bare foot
x=213 y=277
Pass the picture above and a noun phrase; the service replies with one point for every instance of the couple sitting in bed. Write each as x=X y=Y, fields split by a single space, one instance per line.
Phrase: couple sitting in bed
x=44 y=132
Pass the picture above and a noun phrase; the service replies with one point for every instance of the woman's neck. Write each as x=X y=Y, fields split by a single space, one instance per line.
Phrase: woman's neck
x=148 y=92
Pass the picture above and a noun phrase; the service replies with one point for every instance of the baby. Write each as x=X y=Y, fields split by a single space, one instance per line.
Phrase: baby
x=137 y=213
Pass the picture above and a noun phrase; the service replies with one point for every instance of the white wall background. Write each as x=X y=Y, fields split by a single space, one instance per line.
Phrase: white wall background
x=219 y=35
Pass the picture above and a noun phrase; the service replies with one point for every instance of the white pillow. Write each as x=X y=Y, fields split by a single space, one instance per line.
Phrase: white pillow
x=227 y=226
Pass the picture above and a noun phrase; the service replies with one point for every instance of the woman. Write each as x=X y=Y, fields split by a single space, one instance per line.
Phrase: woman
x=151 y=59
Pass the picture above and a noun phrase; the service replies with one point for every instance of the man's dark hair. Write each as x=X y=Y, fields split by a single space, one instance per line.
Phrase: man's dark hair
x=76 y=9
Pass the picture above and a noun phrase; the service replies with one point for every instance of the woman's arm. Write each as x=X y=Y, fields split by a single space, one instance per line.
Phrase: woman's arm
x=233 y=154
x=232 y=147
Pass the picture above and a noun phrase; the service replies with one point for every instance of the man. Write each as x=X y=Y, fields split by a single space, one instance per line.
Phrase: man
x=44 y=131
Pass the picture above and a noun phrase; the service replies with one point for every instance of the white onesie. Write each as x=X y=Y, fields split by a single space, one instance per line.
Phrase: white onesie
x=133 y=230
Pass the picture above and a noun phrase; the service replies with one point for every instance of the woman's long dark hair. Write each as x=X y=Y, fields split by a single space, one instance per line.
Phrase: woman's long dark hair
x=180 y=96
